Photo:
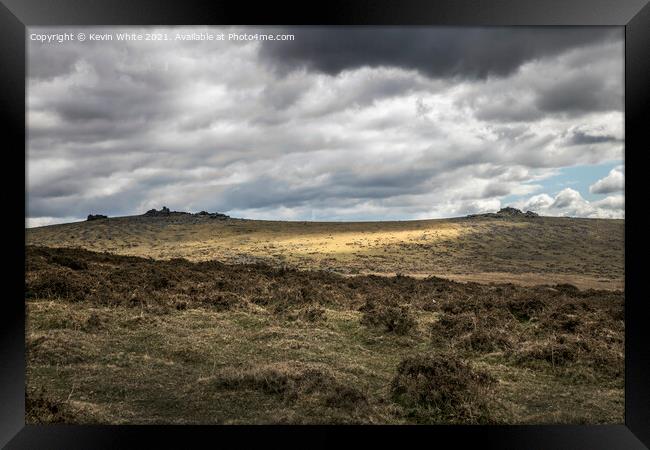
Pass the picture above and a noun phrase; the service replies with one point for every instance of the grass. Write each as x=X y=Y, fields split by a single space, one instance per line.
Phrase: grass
x=117 y=339
x=585 y=252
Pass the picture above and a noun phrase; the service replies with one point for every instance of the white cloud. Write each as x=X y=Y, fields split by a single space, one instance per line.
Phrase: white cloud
x=613 y=182
x=31 y=222
x=613 y=202
x=568 y=202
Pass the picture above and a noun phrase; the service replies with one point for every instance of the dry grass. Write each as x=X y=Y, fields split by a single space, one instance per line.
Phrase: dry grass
x=117 y=339
x=440 y=388
x=585 y=252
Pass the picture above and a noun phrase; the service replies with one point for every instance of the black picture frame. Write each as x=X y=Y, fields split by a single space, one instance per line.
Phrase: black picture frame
x=634 y=15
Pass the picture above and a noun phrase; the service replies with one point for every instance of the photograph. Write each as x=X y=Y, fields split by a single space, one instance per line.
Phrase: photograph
x=320 y=225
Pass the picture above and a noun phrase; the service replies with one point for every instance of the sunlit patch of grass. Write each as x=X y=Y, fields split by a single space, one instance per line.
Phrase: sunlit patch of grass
x=585 y=252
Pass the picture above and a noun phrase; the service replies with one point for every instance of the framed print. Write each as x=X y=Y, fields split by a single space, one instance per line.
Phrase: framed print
x=394 y=221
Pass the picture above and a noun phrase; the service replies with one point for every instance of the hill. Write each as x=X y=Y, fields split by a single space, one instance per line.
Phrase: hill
x=588 y=253
x=172 y=317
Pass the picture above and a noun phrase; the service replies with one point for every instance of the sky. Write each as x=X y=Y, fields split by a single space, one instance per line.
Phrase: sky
x=338 y=124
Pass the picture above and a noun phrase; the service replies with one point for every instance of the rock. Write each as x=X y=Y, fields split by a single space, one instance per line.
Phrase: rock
x=96 y=217
x=514 y=212
x=219 y=216
x=214 y=215
x=165 y=212
x=509 y=211
x=154 y=213
x=506 y=212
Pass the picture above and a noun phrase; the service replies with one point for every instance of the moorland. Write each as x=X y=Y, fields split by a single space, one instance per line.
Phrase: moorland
x=185 y=318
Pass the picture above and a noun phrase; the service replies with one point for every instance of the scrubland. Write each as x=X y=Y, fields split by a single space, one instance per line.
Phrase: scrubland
x=135 y=321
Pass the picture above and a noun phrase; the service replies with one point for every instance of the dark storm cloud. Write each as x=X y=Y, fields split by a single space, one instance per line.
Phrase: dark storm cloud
x=78 y=206
x=439 y=52
x=582 y=138
x=569 y=85
x=584 y=94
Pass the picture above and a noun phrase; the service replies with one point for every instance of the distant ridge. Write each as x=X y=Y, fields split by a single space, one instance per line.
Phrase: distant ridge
x=506 y=245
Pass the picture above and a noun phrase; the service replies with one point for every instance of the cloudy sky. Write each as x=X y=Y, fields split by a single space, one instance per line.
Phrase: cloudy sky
x=338 y=124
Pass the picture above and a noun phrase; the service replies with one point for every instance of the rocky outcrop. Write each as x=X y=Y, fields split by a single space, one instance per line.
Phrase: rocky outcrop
x=96 y=217
x=165 y=212
x=507 y=212
x=514 y=212
x=214 y=215
x=510 y=212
